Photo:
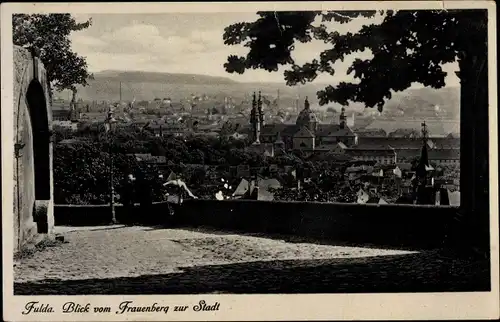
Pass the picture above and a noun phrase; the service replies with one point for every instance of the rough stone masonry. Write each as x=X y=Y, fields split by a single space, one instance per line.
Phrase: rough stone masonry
x=33 y=179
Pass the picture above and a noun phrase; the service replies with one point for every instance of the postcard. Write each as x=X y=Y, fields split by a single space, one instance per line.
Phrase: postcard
x=249 y=161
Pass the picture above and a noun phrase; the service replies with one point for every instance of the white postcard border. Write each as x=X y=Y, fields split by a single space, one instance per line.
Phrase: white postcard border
x=478 y=305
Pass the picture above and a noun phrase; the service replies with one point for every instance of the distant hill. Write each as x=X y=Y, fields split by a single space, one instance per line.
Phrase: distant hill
x=444 y=103
x=440 y=109
x=150 y=85
x=155 y=77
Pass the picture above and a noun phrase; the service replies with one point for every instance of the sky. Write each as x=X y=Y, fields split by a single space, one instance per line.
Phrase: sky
x=190 y=43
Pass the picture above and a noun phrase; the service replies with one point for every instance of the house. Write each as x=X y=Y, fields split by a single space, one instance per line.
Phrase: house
x=304 y=139
x=241 y=189
x=364 y=197
x=370 y=133
x=64 y=111
x=444 y=156
x=379 y=154
x=410 y=148
x=454 y=197
x=339 y=148
x=331 y=134
x=66 y=125
x=436 y=126
x=266 y=149
x=382 y=142
x=268 y=183
x=162 y=129
x=382 y=156
x=159 y=161
x=446 y=143
x=60 y=110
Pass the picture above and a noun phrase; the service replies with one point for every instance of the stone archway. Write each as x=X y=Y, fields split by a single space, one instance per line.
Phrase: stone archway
x=33 y=187
x=37 y=107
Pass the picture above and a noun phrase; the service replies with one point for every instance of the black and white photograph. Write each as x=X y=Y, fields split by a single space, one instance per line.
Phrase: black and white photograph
x=248 y=150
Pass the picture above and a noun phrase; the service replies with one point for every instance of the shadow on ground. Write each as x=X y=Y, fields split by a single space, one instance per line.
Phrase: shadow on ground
x=289 y=238
x=430 y=271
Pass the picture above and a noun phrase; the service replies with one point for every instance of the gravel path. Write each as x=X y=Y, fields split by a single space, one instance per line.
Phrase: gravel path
x=121 y=260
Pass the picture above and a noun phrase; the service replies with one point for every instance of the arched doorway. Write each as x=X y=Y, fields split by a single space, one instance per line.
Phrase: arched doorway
x=37 y=107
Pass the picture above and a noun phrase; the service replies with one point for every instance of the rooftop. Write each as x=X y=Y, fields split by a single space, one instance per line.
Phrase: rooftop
x=371 y=152
x=444 y=154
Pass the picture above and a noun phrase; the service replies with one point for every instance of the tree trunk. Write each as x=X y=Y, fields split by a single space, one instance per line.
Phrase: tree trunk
x=73 y=96
x=474 y=162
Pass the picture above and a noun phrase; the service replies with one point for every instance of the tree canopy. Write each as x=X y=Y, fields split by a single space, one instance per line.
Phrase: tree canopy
x=48 y=35
x=407 y=47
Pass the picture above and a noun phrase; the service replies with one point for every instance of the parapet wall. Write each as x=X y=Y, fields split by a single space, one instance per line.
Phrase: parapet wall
x=391 y=225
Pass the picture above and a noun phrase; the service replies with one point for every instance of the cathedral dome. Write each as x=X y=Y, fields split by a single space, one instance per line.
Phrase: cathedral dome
x=306 y=116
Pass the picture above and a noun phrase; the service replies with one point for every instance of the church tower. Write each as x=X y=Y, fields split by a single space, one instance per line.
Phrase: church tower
x=74 y=113
x=423 y=183
x=423 y=164
x=342 y=119
x=279 y=145
x=254 y=117
x=259 y=110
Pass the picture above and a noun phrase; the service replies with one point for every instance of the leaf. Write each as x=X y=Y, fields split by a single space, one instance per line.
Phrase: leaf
x=48 y=35
x=407 y=47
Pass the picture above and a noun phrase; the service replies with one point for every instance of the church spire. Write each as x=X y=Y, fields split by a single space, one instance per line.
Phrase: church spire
x=424 y=176
x=424 y=133
x=424 y=155
x=259 y=109
x=342 y=118
x=253 y=116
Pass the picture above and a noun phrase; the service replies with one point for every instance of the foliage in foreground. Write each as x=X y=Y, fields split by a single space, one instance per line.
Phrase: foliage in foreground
x=407 y=46
x=48 y=35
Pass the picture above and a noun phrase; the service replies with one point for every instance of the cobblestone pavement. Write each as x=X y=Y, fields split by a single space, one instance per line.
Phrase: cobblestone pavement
x=145 y=260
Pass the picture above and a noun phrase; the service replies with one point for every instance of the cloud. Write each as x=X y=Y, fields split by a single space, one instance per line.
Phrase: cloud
x=147 y=39
x=84 y=43
x=106 y=61
x=183 y=46
x=212 y=39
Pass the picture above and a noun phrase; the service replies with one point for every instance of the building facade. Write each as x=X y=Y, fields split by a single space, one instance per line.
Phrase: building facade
x=306 y=134
x=382 y=156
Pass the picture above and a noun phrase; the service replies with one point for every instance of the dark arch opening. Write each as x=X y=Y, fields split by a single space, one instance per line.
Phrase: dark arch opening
x=37 y=107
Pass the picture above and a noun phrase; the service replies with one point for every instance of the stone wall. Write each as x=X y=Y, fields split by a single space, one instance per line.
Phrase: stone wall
x=33 y=202
x=390 y=225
